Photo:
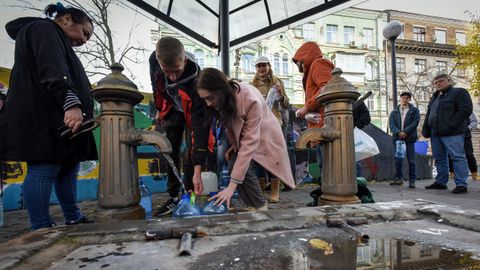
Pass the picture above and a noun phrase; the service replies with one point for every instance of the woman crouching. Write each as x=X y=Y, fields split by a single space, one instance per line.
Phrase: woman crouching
x=254 y=134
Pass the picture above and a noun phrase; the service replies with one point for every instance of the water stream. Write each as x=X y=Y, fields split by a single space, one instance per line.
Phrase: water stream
x=175 y=170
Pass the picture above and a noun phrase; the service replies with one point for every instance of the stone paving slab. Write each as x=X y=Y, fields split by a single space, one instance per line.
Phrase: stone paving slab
x=34 y=247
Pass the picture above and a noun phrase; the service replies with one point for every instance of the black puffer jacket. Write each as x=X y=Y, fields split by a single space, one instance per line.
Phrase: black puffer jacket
x=454 y=109
x=45 y=68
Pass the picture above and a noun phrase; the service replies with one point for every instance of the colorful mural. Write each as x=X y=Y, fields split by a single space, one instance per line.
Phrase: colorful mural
x=152 y=169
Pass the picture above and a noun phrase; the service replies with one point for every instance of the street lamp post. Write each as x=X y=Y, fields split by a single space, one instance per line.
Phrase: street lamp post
x=391 y=32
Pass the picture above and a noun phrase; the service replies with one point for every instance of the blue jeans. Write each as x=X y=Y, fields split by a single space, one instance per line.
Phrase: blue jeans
x=222 y=147
x=37 y=189
x=411 y=162
x=453 y=146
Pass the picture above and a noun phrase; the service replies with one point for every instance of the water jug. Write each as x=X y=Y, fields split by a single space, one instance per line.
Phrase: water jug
x=210 y=209
x=146 y=200
x=185 y=209
x=400 y=149
x=210 y=182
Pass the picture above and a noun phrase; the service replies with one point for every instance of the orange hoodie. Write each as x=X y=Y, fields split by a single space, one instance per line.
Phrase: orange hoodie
x=316 y=74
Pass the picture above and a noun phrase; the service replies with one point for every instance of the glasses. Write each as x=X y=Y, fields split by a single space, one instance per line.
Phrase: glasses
x=261 y=65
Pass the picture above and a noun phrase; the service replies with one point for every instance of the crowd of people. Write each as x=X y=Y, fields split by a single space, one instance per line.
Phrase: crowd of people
x=244 y=123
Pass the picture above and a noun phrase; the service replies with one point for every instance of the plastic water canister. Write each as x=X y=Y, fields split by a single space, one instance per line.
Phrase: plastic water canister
x=146 y=200
x=400 y=149
x=210 y=209
x=185 y=209
x=210 y=182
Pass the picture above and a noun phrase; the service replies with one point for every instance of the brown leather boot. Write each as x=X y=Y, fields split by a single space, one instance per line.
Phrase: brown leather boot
x=261 y=181
x=275 y=184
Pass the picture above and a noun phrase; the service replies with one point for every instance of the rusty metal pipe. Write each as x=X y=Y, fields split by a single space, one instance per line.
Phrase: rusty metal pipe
x=144 y=137
x=311 y=135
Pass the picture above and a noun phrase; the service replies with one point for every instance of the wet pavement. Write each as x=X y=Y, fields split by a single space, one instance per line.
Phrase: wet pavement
x=437 y=222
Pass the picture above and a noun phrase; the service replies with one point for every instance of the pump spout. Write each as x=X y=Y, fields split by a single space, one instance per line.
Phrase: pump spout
x=144 y=137
x=323 y=134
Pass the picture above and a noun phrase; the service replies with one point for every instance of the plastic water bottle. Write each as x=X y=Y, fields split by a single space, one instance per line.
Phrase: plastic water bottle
x=224 y=178
x=210 y=209
x=185 y=209
x=400 y=149
x=146 y=200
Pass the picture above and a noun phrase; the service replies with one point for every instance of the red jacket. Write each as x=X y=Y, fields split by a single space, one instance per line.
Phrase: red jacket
x=194 y=108
x=316 y=74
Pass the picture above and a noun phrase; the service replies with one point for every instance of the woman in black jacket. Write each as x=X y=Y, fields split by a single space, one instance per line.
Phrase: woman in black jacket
x=49 y=93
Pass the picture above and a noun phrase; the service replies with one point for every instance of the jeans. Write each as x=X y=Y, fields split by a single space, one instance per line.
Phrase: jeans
x=222 y=147
x=472 y=162
x=410 y=153
x=37 y=189
x=249 y=191
x=453 y=146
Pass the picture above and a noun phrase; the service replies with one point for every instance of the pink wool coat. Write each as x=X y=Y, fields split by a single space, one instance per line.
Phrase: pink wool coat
x=258 y=136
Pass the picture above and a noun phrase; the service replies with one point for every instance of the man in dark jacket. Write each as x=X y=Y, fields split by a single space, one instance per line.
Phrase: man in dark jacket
x=403 y=122
x=445 y=122
x=180 y=110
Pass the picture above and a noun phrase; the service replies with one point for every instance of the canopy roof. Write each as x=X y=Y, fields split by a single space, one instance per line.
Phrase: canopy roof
x=249 y=20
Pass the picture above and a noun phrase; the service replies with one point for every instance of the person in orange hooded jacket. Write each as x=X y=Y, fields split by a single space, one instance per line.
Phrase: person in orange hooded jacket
x=317 y=72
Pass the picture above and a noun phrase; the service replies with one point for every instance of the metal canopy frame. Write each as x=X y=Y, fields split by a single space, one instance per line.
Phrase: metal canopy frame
x=223 y=42
x=165 y=17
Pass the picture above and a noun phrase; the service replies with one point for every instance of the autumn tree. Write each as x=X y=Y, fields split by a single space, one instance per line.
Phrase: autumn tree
x=468 y=56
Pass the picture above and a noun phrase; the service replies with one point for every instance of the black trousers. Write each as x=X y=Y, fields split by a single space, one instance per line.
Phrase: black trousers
x=472 y=162
x=174 y=126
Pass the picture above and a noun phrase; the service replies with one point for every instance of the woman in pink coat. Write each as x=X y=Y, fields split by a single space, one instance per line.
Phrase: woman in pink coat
x=254 y=134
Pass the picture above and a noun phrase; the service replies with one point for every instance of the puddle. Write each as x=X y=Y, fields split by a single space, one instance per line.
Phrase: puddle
x=332 y=249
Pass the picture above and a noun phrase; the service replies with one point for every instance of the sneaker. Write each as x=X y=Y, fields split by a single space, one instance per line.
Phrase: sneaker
x=459 y=190
x=167 y=207
x=397 y=183
x=435 y=185
x=411 y=185
x=82 y=220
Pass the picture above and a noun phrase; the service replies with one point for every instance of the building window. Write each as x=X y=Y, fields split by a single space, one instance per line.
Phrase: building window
x=332 y=31
x=425 y=250
x=440 y=36
x=248 y=65
x=402 y=34
x=348 y=34
x=441 y=66
x=370 y=103
x=371 y=72
x=420 y=65
x=285 y=62
x=276 y=63
x=368 y=36
x=461 y=38
x=461 y=72
x=419 y=33
x=400 y=63
x=218 y=62
x=199 y=57
x=350 y=62
x=309 y=31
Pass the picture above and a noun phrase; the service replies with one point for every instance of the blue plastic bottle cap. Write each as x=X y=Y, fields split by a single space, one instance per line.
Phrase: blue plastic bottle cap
x=213 y=193
x=185 y=196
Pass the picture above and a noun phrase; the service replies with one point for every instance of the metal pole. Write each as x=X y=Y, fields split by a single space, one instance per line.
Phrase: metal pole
x=394 y=73
x=224 y=37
